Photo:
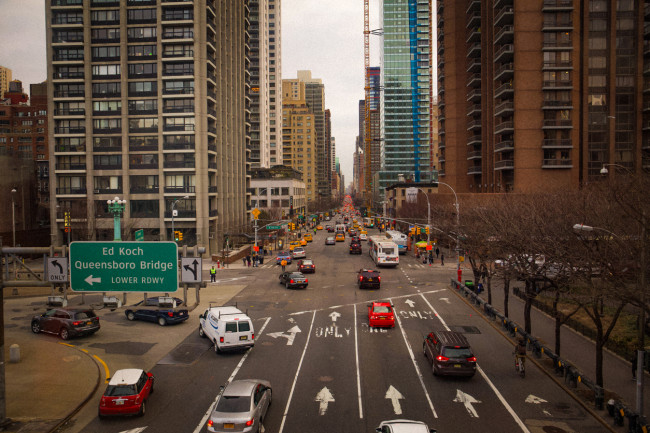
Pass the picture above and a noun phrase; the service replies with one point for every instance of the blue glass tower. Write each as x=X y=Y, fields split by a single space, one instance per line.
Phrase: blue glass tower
x=406 y=81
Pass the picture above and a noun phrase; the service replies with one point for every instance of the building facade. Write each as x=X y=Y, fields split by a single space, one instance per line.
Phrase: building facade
x=406 y=83
x=5 y=79
x=280 y=191
x=146 y=102
x=540 y=94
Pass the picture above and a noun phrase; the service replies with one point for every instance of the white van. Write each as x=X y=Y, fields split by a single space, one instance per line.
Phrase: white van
x=228 y=328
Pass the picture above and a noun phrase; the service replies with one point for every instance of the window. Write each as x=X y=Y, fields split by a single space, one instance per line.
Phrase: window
x=106 y=107
x=176 y=50
x=143 y=143
x=141 y=33
x=143 y=106
x=107 y=144
x=107 y=125
x=107 y=162
x=143 y=70
x=143 y=88
x=105 y=53
x=178 y=87
x=178 y=33
x=145 y=124
x=105 y=16
x=179 y=124
x=105 y=35
x=142 y=51
x=106 y=71
x=106 y=89
x=135 y=16
x=178 y=69
x=145 y=208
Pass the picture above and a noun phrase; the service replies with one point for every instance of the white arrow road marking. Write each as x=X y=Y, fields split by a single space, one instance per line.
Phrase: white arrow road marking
x=547 y=413
x=395 y=396
x=90 y=280
x=290 y=336
x=534 y=399
x=446 y=300
x=467 y=400
x=411 y=303
x=135 y=430
x=324 y=397
x=335 y=315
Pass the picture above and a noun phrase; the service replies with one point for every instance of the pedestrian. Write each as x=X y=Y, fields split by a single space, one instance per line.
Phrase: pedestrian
x=437 y=252
x=430 y=257
x=243 y=259
x=255 y=260
x=442 y=260
x=248 y=260
x=634 y=365
x=479 y=288
x=213 y=274
x=284 y=264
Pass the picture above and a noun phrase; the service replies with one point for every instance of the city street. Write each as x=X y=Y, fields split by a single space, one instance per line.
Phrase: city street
x=331 y=372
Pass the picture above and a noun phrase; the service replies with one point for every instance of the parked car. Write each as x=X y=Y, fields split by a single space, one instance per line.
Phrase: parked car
x=355 y=248
x=298 y=253
x=241 y=406
x=330 y=240
x=283 y=255
x=449 y=354
x=227 y=327
x=368 y=278
x=380 y=314
x=403 y=426
x=294 y=280
x=306 y=265
x=66 y=322
x=127 y=393
x=160 y=309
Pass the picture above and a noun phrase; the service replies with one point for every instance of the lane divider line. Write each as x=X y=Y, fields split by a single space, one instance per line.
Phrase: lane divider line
x=356 y=354
x=415 y=364
x=503 y=401
x=199 y=428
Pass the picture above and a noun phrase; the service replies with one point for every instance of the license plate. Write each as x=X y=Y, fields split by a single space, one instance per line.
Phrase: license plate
x=457 y=365
x=243 y=337
x=229 y=426
x=119 y=402
x=369 y=279
x=89 y=323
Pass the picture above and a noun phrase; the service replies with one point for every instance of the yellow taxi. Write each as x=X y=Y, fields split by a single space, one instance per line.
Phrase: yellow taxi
x=363 y=232
x=308 y=237
x=303 y=242
x=294 y=244
x=319 y=227
x=340 y=237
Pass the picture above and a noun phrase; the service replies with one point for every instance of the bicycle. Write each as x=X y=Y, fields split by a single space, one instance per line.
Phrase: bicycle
x=520 y=364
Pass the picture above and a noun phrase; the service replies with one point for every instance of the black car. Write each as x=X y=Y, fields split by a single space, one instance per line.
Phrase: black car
x=293 y=280
x=306 y=265
x=368 y=278
x=355 y=248
x=160 y=310
x=449 y=354
x=66 y=322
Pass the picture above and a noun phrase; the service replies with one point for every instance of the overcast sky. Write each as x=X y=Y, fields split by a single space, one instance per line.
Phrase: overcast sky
x=325 y=37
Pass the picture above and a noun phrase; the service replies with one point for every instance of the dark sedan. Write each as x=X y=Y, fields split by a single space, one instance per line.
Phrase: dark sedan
x=306 y=265
x=66 y=322
x=162 y=310
x=294 y=280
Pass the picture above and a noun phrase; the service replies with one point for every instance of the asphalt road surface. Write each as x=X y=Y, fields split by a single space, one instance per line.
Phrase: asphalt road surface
x=330 y=372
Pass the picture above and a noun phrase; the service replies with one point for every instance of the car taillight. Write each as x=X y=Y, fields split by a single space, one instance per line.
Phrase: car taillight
x=77 y=323
x=471 y=359
x=442 y=358
x=170 y=313
x=209 y=423
x=221 y=340
x=378 y=278
x=250 y=422
x=252 y=336
x=102 y=402
x=360 y=278
x=291 y=281
x=306 y=280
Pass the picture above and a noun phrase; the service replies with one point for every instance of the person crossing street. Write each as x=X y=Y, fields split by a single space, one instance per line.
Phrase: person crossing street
x=213 y=274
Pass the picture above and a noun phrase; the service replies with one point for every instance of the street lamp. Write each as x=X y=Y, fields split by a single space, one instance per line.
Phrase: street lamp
x=428 y=217
x=174 y=212
x=457 y=225
x=13 y=214
x=116 y=207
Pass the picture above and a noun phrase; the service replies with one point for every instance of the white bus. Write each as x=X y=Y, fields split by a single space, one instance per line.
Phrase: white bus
x=341 y=228
x=369 y=222
x=399 y=238
x=383 y=251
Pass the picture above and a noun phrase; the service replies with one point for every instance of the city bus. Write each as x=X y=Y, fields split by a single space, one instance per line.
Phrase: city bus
x=399 y=238
x=368 y=222
x=382 y=251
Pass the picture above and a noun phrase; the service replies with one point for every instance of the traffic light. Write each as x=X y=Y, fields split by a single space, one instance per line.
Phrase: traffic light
x=419 y=231
x=180 y=236
x=426 y=229
x=177 y=235
x=412 y=230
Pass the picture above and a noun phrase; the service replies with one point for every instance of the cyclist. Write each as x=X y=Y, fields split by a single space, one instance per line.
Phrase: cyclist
x=520 y=354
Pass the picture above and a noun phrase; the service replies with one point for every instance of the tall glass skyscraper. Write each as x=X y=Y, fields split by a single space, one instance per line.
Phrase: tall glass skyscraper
x=405 y=77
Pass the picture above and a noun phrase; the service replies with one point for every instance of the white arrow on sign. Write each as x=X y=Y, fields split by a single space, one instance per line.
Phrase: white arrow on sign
x=135 y=430
x=445 y=299
x=335 y=315
x=290 y=336
x=467 y=400
x=411 y=303
x=324 y=397
x=90 y=280
x=395 y=396
x=534 y=399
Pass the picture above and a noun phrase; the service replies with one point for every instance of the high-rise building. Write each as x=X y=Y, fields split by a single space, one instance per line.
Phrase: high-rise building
x=540 y=94
x=371 y=133
x=405 y=79
x=146 y=102
x=265 y=82
x=5 y=79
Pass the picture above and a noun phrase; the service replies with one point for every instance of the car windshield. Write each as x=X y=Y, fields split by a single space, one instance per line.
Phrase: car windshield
x=119 y=390
x=84 y=315
x=296 y=275
x=381 y=309
x=307 y=262
x=457 y=352
x=233 y=404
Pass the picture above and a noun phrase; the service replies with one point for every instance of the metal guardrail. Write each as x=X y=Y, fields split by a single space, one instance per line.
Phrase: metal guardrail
x=563 y=368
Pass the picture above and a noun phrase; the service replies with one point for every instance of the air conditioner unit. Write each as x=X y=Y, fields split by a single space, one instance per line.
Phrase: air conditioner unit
x=57 y=301
x=112 y=302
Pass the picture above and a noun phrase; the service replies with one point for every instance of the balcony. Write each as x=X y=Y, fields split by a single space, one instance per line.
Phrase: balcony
x=474 y=65
x=474 y=140
x=474 y=95
x=557 y=5
x=178 y=164
x=70 y=112
x=182 y=213
x=504 y=72
x=505 y=164
x=76 y=148
x=504 y=127
x=474 y=50
x=475 y=170
x=557 y=124
x=70 y=130
x=474 y=125
x=71 y=166
x=179 y=146
x=153 y=165
x=504 y=16
x=473 y=19
x=504 y=146
x=473 y=34
x=76 y=75
x=475 y=154
x=557 y=85
x=557 y=143
x=504 y=90
x=147 y=189
x=505 y=35
x=178 y=15
x=187 y=128
x=557 y=45
x=117 y=190
x=504 y=108
x=66 y=3
x=504 y=53
x=557 y=163
x=473 y=109
x=180 y=189
x=552 y=24
x=71 y=190
x=556 y=105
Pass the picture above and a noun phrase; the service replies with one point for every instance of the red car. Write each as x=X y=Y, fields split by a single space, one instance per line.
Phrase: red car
x=380 y=314
x=127 y=393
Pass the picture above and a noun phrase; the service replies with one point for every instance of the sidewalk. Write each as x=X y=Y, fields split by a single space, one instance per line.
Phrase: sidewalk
x=580 y=351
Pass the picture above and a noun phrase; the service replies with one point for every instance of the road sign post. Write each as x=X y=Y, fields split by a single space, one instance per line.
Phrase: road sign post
x=124 y=267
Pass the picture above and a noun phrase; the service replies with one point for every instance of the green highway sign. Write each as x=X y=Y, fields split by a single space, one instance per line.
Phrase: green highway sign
x=124 y=266
x=273 y=227
x=139 y=235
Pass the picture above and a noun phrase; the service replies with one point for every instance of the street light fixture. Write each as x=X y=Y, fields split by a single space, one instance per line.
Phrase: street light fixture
x=116 y=207
x=458 y=227
x=13 y=215
x=174 y=211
